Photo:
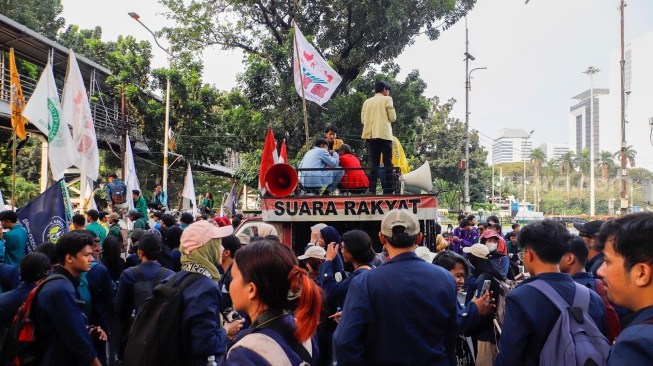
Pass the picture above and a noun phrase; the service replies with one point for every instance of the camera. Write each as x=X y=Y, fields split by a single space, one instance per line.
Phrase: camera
x=230 y=315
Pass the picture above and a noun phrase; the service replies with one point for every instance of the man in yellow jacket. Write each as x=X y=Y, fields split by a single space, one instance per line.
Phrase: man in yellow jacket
x=376 y=115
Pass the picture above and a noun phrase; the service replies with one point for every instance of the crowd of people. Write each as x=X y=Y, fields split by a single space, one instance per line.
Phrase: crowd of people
x=251 y=300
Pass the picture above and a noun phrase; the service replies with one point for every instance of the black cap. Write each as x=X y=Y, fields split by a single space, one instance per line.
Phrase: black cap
x=591 y=228
x=346 y=148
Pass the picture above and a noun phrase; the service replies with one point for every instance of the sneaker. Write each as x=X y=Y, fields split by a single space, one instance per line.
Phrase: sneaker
x=326 y=192
x=369 y=193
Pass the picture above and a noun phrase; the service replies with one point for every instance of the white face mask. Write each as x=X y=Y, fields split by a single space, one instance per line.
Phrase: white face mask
x=492 y=247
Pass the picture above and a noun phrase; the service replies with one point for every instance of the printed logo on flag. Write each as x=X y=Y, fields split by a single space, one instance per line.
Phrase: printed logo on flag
x=54 y=127
x=55 y=229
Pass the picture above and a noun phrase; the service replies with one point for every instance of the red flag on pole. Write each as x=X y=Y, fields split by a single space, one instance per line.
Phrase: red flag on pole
x=268 y=159
x=283 y=155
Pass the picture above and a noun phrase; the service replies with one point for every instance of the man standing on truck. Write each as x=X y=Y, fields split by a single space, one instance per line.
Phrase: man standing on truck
x=377 y=114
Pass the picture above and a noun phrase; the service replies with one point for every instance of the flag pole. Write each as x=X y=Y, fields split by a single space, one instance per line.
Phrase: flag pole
x=301 y=73
x=13 y=170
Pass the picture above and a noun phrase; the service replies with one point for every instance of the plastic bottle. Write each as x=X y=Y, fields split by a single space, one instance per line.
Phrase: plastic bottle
x=211 y=361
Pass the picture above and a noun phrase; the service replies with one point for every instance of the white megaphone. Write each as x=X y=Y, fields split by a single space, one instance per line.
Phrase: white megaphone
x=417 y=181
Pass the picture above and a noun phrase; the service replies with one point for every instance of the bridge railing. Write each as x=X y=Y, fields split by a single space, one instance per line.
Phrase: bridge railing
x=107 y=120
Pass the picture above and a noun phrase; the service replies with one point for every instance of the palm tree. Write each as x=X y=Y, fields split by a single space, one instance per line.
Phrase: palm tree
x=550 y=172
x=630 y=156
x=566 y=164
x=538 y=157
x=605 y=163
x=583 y=166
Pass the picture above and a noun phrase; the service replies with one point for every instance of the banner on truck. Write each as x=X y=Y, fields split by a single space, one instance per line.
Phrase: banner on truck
x=345 y=208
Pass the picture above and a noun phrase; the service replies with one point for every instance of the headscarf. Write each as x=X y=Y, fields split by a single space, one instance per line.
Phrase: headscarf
x=330 y=234
x=204 y=259
x=502 y=246
x=266 y=229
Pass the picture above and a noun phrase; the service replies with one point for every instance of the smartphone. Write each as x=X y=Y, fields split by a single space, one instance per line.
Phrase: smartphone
x=486 y=287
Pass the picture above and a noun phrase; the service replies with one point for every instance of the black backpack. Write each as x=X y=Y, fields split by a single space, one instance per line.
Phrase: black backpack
x=142 y=287
x=155 y=336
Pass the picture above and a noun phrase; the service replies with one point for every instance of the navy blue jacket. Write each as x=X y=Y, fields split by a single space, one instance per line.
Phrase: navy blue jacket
x=530 y=317
x=58 y=318
x=12 y=300
x=102 y=290
x=202 y=335
x=124 y=301
x=336 y=291
x=634 y=345
x=468 y=318
x=594 y=264
x=586 y=279
x=404 y=312
x=9 y=277
x=243 y=356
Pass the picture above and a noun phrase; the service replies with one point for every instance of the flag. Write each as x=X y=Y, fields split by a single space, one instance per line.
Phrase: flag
x=44 y=111
x=189 y=190
x=283 y=155
x=268 y=159
x=230 y=203
x=317 y=78
x=77 y=112
x=89 y=200
x=2 y=202
x=44 y=218
x=17 y=100
x=131 y=179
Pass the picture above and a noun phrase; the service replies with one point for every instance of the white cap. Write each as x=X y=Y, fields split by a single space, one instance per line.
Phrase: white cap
x=314 y=251
x=425 y=254
x=318 y=227
x=478 y=250
x=404 y=218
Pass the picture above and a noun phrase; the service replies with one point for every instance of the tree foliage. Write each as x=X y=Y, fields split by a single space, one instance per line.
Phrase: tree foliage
x=42 y=16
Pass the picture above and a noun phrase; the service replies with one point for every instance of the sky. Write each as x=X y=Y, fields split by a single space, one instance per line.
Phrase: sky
x=535 y=56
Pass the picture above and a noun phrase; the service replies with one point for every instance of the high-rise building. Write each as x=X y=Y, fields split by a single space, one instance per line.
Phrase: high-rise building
x=579 y=121
x=510 y=146
x=554 y=151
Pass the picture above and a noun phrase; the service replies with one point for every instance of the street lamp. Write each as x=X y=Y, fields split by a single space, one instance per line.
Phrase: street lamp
x=166 y=126
x=524 y=159
x=468 y=75
x=591 y=71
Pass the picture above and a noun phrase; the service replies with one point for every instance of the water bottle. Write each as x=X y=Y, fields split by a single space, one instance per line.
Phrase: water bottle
x=211 y=361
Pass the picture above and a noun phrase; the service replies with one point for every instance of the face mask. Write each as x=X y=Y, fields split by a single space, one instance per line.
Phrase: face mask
x=492 y=247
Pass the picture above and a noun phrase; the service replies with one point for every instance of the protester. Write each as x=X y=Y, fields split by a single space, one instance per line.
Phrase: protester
x=268 y=284
x=79 y=222
x=15 y=240
x=92 y=217
x=116 y=193
x=376 y=115
x=377 y=324
x=588 y=231
x=137 y=219
x=530 y=315
x=465 y=237
x=330 y=133
x=515 y=231
x=133 y=259
x=34 y=268
x=230 y=245
x=185 y=220
x=9 y=277
x=156 y=216
x=103 y=217
x=112 y=259
x=628 y=275
x=114 y=228
x=58 y=320
x=318 y=159
x=139 y=202
x=159 y=200
x=353 y=180
x=206 y=206
x=235 y=220
x=50 y=251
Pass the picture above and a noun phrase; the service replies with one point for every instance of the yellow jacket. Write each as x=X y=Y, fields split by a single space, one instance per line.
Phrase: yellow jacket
x=337 y=143
x=377 y=114
x=398 y=156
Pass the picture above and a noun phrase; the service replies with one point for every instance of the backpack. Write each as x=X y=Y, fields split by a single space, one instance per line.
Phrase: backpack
x=118 y=191
x=142 y=287
x=575 y=338
x=155 y=336
x=124 y=240
x=269 y=350
x=22 y=346
x=611 y=317
x=501 y=289
x=85 y=292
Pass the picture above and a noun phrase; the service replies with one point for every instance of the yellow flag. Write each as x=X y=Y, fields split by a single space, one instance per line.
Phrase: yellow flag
x=17 y=101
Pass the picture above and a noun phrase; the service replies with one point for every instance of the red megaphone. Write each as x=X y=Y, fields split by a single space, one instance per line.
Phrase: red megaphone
x=280 y=180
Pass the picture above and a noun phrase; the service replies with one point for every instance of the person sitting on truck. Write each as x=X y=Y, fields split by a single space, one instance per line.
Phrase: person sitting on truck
x=353 y=181
x=319 y=158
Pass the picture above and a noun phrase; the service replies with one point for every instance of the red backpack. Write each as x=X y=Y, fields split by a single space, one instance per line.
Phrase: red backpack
x=611 y=318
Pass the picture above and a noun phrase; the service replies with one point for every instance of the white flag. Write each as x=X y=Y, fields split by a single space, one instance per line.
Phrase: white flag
x=44 y=111
x=2 y=202
x=317 y=78
x=131 y=179
x=90 y=199
x=189 y=190
x=77 y=112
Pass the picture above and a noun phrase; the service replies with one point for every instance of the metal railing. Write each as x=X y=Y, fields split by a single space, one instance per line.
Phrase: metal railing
x=107 y=120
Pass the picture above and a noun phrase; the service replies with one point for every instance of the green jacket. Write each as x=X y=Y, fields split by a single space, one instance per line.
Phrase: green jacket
x=114 y=230
x=140 y=224
x=98 y=230
x=141 y=206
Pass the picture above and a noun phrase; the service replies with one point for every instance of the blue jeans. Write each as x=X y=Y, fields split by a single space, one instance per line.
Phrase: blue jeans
x=337 y=176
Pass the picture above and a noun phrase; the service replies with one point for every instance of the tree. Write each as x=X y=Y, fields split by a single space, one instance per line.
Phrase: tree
x=606 y=163
x=42 y=16
x=550 y=171
x=630 y=156
x=537 y=157
x=567 y=164
x=583 y=161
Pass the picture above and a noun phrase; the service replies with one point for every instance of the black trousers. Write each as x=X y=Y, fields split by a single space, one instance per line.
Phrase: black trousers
x=377 y=148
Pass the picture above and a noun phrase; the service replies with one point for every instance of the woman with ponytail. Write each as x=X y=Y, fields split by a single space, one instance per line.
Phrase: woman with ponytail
x=283 y=303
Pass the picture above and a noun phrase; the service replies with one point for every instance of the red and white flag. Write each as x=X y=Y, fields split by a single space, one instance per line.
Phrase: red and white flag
x=283 y=154
x=268 y=159
x=76 y=111
x=316 y=77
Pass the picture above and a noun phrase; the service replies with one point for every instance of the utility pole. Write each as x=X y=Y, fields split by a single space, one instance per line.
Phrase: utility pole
x=591 y=71
x=622 y=63
x=124 y=130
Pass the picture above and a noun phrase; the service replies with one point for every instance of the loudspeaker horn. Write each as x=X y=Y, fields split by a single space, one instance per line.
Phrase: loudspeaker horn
x=280 y=180
x=418 y=180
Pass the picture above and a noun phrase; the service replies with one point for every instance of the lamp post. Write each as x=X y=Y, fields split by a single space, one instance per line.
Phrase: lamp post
x=524 y=159
x=166 y=126
x=591 y=71
x=468 y=74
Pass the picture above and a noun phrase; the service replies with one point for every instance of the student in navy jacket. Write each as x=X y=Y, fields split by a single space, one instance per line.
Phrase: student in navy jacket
x=628 y=275
x=530 y=316
x=58 y=318
x=403 y=312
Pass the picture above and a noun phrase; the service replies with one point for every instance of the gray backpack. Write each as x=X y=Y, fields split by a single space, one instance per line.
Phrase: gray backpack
x=575 y=339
